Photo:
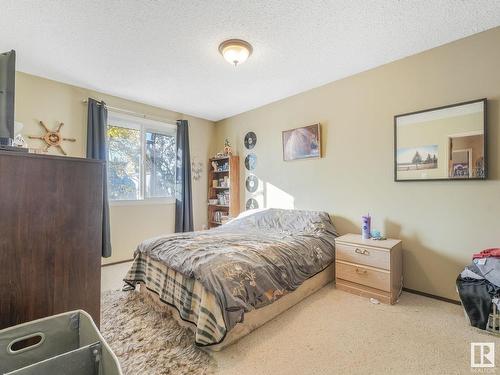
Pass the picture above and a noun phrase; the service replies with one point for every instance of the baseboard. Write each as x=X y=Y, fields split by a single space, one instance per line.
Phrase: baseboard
x=449 y=300
x=119 y=262
x=413 y=291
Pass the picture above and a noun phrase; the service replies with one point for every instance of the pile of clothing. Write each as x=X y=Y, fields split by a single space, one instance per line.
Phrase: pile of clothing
x=479 y=286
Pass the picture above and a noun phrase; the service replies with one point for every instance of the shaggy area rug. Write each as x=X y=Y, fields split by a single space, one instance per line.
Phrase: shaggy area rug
x=148 y=341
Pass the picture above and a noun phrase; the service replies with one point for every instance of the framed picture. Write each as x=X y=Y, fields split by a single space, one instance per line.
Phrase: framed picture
x=302 y=143
x=444 y=143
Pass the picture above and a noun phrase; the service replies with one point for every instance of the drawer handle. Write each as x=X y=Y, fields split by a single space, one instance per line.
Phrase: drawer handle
x=362 y=272
x=362 y=252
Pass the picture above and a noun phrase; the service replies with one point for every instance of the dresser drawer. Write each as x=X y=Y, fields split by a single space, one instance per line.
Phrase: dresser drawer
x=374 y=278
x=363 y=255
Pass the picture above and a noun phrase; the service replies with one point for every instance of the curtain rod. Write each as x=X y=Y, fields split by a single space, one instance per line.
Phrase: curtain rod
x=136 y=114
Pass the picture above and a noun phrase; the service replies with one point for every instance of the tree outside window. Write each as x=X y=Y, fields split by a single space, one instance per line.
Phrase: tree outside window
x=141 y=161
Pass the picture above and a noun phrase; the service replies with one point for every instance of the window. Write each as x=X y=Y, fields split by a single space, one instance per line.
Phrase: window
x=141 y=158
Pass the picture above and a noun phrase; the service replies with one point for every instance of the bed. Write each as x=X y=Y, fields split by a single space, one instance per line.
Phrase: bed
x=227 y=281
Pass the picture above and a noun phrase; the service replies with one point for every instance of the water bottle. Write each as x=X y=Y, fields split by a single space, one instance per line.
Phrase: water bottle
x=365 y=227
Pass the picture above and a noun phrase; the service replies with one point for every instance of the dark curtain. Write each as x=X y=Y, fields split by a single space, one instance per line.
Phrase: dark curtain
x=97 y=121
x=184 y=200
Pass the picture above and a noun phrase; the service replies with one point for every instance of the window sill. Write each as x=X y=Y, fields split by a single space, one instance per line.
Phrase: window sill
x=142 y=202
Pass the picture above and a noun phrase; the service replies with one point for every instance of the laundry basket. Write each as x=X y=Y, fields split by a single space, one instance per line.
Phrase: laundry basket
x=493 y=325
x=64 y=344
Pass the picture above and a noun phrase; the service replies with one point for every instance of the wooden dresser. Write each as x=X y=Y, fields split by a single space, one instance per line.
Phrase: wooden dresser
x=50 y=236
x=369 y=268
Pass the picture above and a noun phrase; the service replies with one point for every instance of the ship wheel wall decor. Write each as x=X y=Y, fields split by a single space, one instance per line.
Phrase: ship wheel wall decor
x=53 y=138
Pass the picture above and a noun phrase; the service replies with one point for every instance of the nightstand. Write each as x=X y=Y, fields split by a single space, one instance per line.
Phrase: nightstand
x=369 y=268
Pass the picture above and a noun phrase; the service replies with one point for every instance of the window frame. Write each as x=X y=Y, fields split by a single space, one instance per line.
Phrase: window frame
x=144 y=125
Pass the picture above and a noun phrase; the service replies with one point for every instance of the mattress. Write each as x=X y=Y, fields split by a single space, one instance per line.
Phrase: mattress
x=253 y=319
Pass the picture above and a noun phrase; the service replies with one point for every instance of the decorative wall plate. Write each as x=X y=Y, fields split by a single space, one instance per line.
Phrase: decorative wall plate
x=251 y=162
x=252 y=183
x=196 y=169
x=250 y=140
x=252 y=204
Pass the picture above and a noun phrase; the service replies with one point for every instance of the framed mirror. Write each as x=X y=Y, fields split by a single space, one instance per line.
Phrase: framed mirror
x=444 y=143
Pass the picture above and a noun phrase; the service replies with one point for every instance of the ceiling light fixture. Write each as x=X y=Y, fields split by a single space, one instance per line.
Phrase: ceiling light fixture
x=235 y=51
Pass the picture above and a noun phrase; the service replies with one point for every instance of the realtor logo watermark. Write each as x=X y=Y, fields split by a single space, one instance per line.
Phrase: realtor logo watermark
x=482 y=357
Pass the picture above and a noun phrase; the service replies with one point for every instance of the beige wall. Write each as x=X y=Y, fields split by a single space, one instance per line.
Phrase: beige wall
x=441 y=223
x=41 y=99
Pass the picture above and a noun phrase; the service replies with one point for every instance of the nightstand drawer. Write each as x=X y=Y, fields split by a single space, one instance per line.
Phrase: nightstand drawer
x=363 y=255
x=374 y=278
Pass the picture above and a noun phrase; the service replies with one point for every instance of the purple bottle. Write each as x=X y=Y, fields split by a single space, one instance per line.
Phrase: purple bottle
x=366 y=222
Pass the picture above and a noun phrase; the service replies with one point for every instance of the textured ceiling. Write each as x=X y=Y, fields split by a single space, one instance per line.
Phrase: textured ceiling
x=164 y=53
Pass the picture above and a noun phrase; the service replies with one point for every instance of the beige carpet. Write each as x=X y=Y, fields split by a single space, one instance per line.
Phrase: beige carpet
x=331 y=332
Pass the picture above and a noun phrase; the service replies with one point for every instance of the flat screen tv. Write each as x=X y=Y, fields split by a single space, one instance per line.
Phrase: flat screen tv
x=7 y=88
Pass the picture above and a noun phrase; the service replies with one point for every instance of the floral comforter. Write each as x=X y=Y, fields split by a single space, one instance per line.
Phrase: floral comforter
x=252 y=260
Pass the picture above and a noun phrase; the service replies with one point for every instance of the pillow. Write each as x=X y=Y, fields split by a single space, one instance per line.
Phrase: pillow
x=282 y=220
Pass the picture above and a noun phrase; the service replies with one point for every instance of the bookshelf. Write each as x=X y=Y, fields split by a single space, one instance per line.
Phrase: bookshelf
x=226 y=190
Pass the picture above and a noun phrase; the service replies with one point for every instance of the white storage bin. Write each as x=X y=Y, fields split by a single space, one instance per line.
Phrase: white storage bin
x=64 y=344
